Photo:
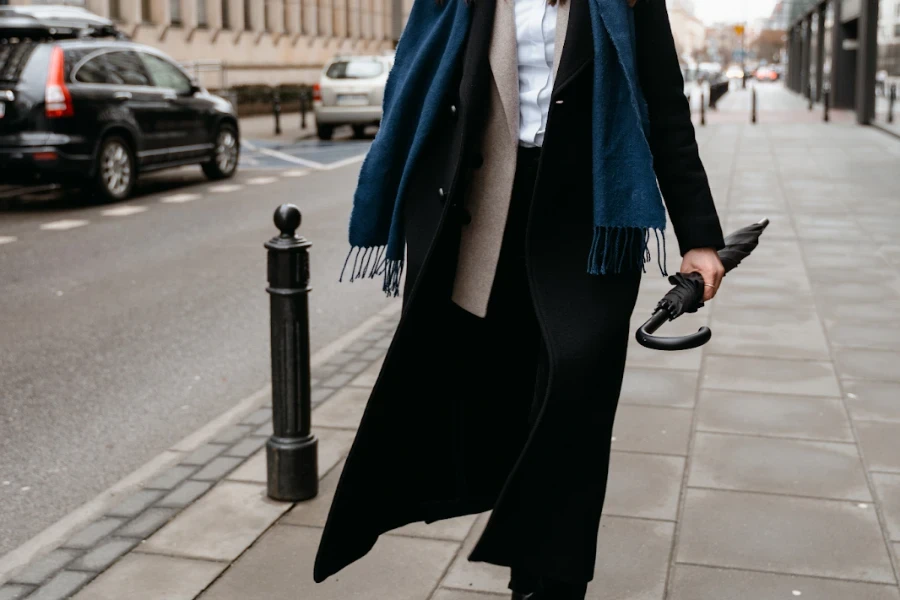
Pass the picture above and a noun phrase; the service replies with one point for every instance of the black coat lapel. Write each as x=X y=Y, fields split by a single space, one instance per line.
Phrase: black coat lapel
x=579 y=47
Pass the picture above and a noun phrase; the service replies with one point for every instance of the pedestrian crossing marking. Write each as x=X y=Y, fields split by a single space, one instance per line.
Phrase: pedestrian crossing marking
x=124 y=211
x=296 y=173
x=7 y=239
x=64 y=224
x=180 y=198
x=261 y=180
x=225 y=188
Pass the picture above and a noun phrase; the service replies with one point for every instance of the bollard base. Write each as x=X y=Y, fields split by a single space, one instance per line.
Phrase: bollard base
x=293 y=468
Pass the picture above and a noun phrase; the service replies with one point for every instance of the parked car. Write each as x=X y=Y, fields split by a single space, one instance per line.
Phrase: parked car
x=734 y=72
x=766 y=74
x=81 y=105
x=351 y=92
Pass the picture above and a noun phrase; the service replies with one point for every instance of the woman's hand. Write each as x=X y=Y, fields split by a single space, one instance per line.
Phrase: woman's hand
x=706 y=262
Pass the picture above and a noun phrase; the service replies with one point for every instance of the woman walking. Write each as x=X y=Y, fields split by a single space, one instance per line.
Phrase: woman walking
x=519 y=176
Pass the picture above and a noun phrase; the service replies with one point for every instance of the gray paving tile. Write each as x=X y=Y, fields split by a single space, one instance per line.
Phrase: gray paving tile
x=734 y=294
x=803 y=468
x=93 y=533
x=879 y=445
x=887 y=487
x=342 y=358
x=688 y=360
x=344 y=410
x=868 y=336
x=451 y=529
x=313 y=513
x=632 y=559
x=148 y=577
x=40 y=570
x=244 y=448
x=185 y=493
x=137 y=502
x=356 y=367
x=258 y=417
x=14 y=591
x=444 y=594
x=872 y=400
x=319 y=395
x=476 y=577
x=708 y=583
x=659 y=387
x=171 y=477
x=644 y=485
x=877 y=312
x=204 y=454
x=63 y=585
x=774 y=376
x=867 y=364
x=197 y=532
x=764 y=414
x=768 y=333
x=652 y=429
x=103 y=555
x=334 y=446
x=219 y=467
x=233 y=434
x=147 y=524
x=338 y=380
x=372 y=354
x=369 y=377
x=398 y=568
x=799 y=536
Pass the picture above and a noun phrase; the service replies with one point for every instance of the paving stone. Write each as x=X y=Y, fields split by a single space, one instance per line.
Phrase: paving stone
x=220 y=466
x=266 y=430
x=867 y=364
x=445 y=594
x=887 y=487
x=872 y=400
x=632 y=559
x=320 y=395
x=804 y=468
x=253 y=470
x=800 y=536
x=342 y=358
x=232 y=434
x=40 y=570
x=659 y=387
x=451 y=529
x=707 y=583
x=859 y=335
x=147 y=577
x=93 y=533
x=687 y=360
x=258 y=417
x=338 y=380
x=147 y=524
x=652 y=429
x=384 y=343
x=204 y=454
x=398 y=569
x=313 y=513
x=372 y=336
x=63 y=585
x=343 y=410
x=370 y=376
x=356 y=367
x=372 y=354
x=334 y=446
x=198 y=533
x=770 y=333
x=879 y=445
x=764 y=414
x=358 y=346
x=185 y=493
x=136 y=503
x=171 y=478
x=325 y=371
x=14 y=591
x=103 y=555
x=775 y=376
x=644 y=485
x=472 y=576
x=735 y=294
x=246 y=447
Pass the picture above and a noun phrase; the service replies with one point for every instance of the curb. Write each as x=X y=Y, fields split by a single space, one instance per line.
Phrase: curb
x=188 y=450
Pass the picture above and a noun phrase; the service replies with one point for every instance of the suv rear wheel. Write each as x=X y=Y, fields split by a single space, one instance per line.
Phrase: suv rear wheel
x=325 y=132
x=115 y=174
x=225 y=155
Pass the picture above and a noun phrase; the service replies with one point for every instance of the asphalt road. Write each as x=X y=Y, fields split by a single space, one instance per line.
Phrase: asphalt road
x=126 y=327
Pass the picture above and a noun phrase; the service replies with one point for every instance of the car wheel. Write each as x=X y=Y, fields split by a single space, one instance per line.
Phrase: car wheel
x=359 y=131
x=115 y=170
x=325 y=132
x=226 y=154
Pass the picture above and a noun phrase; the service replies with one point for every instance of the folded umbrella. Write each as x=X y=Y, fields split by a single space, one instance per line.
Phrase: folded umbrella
x=687 y=295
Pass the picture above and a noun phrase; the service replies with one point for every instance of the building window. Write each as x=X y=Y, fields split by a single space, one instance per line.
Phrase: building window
x=267 y=17
x=202 y=17
x=146 y=12
x=897 y=30
x=226 y=14
x=175 y=12
x=248 y=16
x=115 y=10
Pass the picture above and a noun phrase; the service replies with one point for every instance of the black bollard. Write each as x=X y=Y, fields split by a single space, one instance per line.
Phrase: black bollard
x=891 y=100
x=753 y=106
x=809 y=95
x=826 y=101
x=292 y=452
x=304 y=105
x=276 y=109
x=702 y=108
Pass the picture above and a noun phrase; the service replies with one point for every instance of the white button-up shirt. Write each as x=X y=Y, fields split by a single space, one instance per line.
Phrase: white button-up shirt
x=536 y=37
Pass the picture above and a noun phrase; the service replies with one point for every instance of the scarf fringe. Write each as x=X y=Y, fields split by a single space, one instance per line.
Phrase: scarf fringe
x=369 y=263
x=622 y=249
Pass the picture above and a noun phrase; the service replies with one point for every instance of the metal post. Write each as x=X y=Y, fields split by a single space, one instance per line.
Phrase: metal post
x=891 y=100
x=809 y=94
x=304 y=105
x=292 y=452
x=753 y=106
x=276 y=108
x=827 y=102
x=702 y=108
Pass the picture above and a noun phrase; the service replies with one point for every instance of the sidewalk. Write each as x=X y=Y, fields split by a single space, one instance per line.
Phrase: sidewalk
x=764 y=466
x=262 y=127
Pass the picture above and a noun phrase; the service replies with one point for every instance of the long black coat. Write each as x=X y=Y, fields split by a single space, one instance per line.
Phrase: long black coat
x=439 y=437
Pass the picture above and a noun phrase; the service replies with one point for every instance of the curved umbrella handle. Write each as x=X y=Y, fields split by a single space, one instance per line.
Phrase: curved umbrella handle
x=646 y=338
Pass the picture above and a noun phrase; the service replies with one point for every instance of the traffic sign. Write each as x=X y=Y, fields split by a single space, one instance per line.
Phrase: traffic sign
x=739 y=29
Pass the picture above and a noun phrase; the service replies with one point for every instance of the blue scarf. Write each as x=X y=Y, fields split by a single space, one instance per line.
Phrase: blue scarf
x=627 y=201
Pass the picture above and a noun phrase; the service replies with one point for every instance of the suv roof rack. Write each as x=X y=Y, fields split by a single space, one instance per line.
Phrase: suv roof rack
x=55 y=22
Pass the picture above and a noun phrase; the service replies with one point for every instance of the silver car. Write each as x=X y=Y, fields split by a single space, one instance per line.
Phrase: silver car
x=351 y=92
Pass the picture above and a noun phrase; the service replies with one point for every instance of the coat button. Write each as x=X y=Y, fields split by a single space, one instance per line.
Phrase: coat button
x=442 y=195
x=453 y=111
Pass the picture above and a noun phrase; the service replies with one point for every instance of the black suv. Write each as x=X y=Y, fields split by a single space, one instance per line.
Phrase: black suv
x=79 y=108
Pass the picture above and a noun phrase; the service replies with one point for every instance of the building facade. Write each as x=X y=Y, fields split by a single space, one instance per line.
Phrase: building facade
x=688 y=30
x=238 y=42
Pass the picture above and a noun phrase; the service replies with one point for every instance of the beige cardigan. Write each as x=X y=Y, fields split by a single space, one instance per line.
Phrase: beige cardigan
x=491 y=189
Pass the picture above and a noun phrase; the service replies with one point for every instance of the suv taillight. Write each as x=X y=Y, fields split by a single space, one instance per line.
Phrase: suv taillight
x=57 y=99
x=317 y=92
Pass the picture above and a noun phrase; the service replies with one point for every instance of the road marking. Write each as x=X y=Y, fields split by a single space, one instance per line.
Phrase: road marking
x=124 y=211
x=7 y=239
x=180 y=198
x=64 y=224
x=344 y=163
x=290 y=158
x=225 y=188
x=261 y=180
x=296 y=173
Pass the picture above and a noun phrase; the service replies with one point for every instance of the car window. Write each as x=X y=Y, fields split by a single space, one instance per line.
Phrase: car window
x=354 y=69
x=120 y=67
x=167 y=75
